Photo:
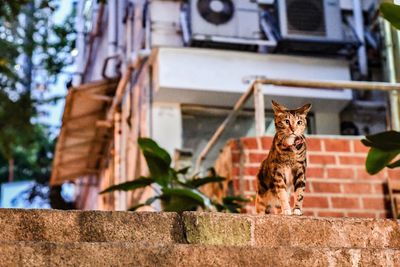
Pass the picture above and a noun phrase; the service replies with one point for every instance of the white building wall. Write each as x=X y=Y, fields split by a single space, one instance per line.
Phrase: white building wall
x=327 y=123
x=167 y=125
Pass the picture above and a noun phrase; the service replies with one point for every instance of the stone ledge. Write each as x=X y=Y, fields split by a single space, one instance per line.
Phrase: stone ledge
x=197 y=228
x=274 y=231
x=90 y=226
x=134 y=254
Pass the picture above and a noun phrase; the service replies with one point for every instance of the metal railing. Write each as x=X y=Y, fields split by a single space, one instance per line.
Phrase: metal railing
x=255 y=88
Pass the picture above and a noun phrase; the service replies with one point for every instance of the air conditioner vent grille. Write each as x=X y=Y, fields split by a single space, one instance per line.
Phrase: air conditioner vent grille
x=306 y=17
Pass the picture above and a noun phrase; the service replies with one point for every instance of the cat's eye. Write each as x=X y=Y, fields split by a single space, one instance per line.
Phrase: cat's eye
x=287 y=121
x=299 y=122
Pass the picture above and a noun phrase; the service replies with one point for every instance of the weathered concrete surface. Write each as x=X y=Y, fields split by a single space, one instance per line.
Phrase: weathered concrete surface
x=327 y=232
x=89 y=226
x=275 y=231
x=134 y=254
x=93 y=238
x=218 y=229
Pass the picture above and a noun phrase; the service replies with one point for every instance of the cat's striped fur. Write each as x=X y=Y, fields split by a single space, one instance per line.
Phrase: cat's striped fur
x=285 y=166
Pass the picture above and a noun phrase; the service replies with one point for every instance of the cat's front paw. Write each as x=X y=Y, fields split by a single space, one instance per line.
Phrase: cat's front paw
x=286 y=212
x=297 y=212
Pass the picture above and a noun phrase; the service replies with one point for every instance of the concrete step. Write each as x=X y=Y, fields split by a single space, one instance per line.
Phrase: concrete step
x=90 y=226
x=197 y=228
x=293 y=231
x=134 y=254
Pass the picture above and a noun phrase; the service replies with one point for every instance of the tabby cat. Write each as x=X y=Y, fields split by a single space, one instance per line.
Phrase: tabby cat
x=286 y=163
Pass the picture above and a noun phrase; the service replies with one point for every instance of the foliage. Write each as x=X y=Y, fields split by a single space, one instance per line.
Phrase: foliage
x=34 y=51
x=32 y=162
x=176 y=191
x=384 y=147
x=391 y=12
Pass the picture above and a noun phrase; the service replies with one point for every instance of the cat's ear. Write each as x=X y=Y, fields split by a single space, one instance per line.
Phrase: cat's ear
x=278 y=108
x=304 y=109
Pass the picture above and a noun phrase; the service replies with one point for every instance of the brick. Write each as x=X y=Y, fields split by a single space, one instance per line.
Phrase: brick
x=256 y=157
x=345 y=203
x=315 y=202
x=322 y=159
x=308 y=213
x=251 y=171
x=385 y=214
x=236 y=185
x=352 y=160
x=330 y=214
x=321 y=187
x=246 y=185
x=394 y=173
x=313 y=172
x=362 y=214
x=361 y=173
x=254 y=183
x=357 y=188
x=235 y=171
x=337 y=145
x=266 y=142
x=380 y=188
x=308 y=187
x=236 y=157
x=249 y=143
x=345 y=173
x=234 y=144
x=313 y=144
x=359 y=147
x=374 y=203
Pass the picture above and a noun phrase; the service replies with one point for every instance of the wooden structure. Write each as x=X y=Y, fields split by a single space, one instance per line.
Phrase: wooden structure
x=84 y=135
x=394 y=194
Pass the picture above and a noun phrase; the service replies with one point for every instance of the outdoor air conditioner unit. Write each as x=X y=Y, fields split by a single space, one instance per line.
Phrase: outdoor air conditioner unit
x=311 y=25
x=225 y=21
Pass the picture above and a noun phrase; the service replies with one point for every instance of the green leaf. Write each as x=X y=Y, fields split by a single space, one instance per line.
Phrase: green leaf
x=389 y=140
x=184 y=170
x=134 y=208
x=130 y=185
x=394 y=164
x=232 y=199
x=391 y=12
x=195 y=183
x=181 y=199
x=377 y=159
x=158 y=161
x=366 y=142
x=148 y=202
x=150 y=146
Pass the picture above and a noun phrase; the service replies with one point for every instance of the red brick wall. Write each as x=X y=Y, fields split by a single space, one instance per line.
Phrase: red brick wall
x=337 y=183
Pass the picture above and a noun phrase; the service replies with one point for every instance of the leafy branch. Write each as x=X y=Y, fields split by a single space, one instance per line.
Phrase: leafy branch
x=177 y=192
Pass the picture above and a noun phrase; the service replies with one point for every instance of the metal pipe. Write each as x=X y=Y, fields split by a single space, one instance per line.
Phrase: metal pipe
x=95 y=33
x=337 y=85
x=119 y=92
x=122 y=85
x=390 y=66
x=80 y=44
x=259 y=110
x=236 y=109
x=112 y=35
x=333 y=85
x=359 y=28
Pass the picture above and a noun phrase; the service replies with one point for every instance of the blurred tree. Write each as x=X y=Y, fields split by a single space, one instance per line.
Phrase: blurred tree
x=34 y=52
